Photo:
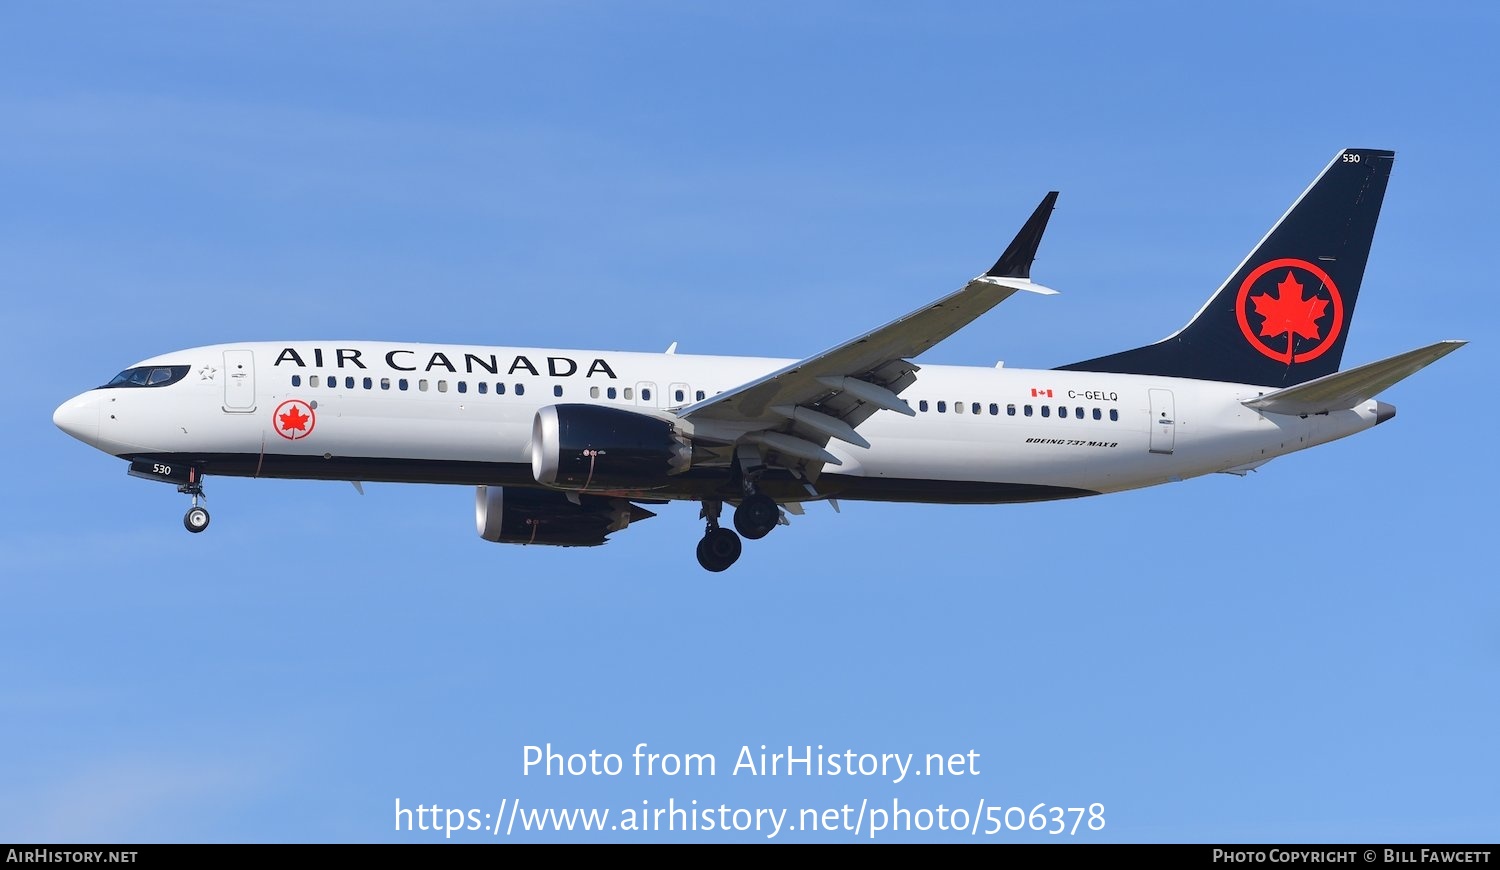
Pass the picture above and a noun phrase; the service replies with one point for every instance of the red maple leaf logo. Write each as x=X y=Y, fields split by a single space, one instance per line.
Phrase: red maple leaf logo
x=294 y=419
x=1289 y=313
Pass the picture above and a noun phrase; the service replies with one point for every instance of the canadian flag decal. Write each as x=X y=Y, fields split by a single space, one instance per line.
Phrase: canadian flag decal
x=1046 y=394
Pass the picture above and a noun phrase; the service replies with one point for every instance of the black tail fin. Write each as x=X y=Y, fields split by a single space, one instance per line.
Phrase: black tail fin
x=1282 y=317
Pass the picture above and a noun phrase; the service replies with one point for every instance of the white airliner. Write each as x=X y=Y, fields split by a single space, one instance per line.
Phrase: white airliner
x=565 y=445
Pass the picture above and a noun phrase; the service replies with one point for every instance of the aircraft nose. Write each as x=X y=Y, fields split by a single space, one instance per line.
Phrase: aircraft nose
x=79 y=417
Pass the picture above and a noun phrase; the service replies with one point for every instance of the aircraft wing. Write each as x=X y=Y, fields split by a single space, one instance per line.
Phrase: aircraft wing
x=793 y=412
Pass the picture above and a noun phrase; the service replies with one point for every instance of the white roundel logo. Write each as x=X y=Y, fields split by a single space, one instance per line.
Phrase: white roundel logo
x=294 y=419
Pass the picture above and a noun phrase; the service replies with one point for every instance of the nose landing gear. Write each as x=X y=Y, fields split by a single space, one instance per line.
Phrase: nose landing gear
x=196 y=518
x=189 y=480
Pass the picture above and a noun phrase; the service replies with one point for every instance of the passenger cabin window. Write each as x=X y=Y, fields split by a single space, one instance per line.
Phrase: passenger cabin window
x=422 y=384
x=700 y=395
x=1097 y=415
x=369 y=383
x=1062 y=411
x=680 y=396
x=385 y=383
x=995 y=409
x=314 y=381
x=499 y=389
x=1028 y=410
x=922 y=405
x=1078 y=412
x=401 y=384
x=646 y=395
x=463 y=386
x=1046 y=410
x=1113 y=414
x=349 y=383
x=520 y=389
x=296 y=380
x=442 y=386
x=942 y=407
x=611 y=393
x=557 y=390
x=593 y=392
x=629 y=393
x=1010 y=411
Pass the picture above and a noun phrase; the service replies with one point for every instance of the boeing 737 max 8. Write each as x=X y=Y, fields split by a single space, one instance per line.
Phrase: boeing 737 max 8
x=565 y=446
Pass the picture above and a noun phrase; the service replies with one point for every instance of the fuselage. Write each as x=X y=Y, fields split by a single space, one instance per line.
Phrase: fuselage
x=455 y=414
x=566 y=447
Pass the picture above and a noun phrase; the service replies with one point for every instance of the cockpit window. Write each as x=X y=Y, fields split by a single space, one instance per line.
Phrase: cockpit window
x=148 y=376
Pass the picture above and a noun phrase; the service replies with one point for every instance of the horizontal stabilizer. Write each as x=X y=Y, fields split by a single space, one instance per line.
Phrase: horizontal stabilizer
x=1341 y=391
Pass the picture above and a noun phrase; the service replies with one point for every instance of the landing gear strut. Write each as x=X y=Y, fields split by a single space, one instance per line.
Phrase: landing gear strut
x=758 y=513
x=720 y=547
x=196 y=519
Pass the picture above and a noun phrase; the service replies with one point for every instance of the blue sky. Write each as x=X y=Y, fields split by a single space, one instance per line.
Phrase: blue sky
x=1308 y=654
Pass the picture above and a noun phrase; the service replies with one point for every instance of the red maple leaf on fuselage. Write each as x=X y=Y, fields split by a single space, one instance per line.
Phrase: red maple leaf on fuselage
x=294 y=419
x=1289 y=313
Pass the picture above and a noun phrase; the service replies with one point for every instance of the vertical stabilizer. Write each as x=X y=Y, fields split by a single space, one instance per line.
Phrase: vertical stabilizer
x=1283 y=315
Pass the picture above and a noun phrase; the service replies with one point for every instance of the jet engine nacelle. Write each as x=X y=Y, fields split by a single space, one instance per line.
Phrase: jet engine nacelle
x=581 y=447
x=507 y=515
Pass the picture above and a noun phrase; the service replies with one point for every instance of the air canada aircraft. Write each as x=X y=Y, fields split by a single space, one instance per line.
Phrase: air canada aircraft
x=566 y=447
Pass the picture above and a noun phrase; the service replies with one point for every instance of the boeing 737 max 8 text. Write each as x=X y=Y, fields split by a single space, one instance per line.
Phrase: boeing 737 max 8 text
x=565 y=447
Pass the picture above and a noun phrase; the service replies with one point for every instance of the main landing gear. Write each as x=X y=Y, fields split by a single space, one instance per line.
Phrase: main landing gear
x=196 y=519
x=755 y=517
x=720 y=547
